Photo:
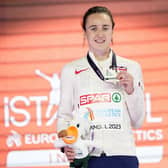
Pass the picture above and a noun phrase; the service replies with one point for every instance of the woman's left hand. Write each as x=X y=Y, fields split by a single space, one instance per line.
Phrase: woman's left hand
x=126 y=80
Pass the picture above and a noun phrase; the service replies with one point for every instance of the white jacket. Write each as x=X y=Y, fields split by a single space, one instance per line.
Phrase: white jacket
x=79 y=87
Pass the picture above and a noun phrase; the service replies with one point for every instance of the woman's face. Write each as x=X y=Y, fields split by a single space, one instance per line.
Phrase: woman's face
x=99 y=32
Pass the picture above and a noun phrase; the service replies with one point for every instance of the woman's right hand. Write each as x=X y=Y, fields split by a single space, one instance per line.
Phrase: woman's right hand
x=69 y=152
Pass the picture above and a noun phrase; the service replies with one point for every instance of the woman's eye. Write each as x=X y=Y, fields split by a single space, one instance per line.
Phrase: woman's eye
x=94 y=29
x=105 y=28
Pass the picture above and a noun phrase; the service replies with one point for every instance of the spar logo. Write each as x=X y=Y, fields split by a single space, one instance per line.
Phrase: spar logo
x=95 y=98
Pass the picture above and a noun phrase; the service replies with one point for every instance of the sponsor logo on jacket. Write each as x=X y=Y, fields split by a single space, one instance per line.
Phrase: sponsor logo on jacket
x=95 y=98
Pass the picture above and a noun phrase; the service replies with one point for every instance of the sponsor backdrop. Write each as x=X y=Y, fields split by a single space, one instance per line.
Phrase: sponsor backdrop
x=38 y=37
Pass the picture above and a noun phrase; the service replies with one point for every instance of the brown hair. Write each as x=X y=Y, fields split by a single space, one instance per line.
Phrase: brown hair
x=96 y=9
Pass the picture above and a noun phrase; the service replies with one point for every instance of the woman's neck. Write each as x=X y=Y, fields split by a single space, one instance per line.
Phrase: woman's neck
x=101 y=56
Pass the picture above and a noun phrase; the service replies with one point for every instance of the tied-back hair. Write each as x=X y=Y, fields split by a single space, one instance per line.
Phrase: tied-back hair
x=97 y=9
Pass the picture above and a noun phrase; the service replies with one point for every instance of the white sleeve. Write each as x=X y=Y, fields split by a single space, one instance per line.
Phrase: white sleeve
x=66 y=105
x=135 y=102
